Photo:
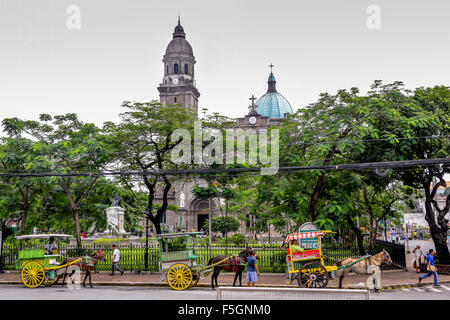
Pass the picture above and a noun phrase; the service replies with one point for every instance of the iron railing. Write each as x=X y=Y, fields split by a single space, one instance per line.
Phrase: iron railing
x=132 y=256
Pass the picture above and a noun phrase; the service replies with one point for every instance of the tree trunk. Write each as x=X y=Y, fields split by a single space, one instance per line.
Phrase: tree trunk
x=359 y=237
x=318 y=188
x=23 y=219
x=438 y=232
x=77 y=226
x=26 y=207
x=156 y=223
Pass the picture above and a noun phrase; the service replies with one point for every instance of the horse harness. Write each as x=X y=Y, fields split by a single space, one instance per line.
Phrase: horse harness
x=86 y=261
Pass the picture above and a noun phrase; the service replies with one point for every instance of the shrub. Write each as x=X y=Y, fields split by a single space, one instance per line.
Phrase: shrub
x=108 y=241
x=237 y=239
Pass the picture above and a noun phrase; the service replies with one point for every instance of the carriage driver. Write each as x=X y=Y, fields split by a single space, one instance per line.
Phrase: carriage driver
x=295 y=247
x=51 y=246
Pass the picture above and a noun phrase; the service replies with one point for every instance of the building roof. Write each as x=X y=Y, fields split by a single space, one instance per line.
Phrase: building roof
x=179 y=44
x=273 y=104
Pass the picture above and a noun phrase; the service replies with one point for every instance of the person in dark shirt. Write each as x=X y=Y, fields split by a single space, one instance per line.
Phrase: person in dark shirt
x=252 y=270
x=51 y=247
x=431 y=268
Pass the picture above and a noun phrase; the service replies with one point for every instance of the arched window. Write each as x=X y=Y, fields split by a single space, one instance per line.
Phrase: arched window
x=175 y=99
x=167 y=69
x=186 y=69
x=175 y=68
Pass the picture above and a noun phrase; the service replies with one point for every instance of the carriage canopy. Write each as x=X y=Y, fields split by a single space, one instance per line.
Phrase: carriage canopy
x=43 y=236
x=307 y=235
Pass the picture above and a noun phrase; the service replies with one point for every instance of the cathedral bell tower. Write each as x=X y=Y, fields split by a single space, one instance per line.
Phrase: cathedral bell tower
x=178 y=86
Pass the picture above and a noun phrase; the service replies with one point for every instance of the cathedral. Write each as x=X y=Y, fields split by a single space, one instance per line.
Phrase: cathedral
x=178 y=87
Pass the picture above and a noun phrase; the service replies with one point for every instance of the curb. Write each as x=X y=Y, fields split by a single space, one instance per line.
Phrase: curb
x=396 y=286
x=204 y=285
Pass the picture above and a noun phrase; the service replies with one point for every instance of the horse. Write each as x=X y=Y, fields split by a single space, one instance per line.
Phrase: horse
x=234 y=264
x=86 y=264
x=362 y=266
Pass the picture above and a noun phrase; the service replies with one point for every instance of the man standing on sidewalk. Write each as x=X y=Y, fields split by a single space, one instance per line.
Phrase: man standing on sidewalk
x=115 y=261
x=252 y=270
x=431 y=268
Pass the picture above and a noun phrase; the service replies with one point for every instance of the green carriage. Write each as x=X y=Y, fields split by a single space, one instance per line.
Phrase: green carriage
x=179 y=261
x=39 y=266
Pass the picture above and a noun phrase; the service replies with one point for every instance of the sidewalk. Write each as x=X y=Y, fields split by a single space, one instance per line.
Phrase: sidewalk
x=389 y=280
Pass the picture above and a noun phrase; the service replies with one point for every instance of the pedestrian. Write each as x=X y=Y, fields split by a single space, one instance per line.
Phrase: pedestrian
x=431 y=268
x=115 y=261
x=288 y=275
x=417 y=258
x=252 y=269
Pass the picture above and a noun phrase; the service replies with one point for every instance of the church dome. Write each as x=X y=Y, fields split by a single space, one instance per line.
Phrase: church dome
x=273 y=104
x=179 y=44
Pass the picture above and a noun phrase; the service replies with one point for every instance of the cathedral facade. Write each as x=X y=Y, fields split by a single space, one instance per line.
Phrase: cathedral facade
x=178 y=87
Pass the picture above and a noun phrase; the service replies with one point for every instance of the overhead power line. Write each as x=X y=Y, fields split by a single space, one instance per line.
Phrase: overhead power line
x=354 y=166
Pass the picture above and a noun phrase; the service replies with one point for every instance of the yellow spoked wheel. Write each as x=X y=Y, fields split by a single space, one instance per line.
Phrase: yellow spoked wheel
x=179 y=276
x=32 y=274
x=313 y=275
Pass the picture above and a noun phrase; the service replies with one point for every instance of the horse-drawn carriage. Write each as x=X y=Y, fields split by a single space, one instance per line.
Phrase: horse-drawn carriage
x=306 y=262
x=39 y=266
x=178 y=260
x=46 y=266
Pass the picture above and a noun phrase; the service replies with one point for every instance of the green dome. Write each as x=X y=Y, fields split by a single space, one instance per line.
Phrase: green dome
x=273 y=104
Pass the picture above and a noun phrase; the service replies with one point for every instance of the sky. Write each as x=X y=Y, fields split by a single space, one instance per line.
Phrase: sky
x=116 y=54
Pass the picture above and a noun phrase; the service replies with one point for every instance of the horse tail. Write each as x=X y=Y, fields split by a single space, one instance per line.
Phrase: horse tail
x=210 y=261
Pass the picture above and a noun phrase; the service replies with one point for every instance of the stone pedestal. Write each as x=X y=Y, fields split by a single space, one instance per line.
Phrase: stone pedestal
x=115 y=220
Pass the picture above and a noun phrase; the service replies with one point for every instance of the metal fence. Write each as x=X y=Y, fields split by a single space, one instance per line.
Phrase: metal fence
x=396 y=251
x=289 y=294
x=132 y=256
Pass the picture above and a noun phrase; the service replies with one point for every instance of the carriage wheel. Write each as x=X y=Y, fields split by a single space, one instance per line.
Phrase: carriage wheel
x=313 y=275
x=179 y=276
x=32 y=274
x=48 y=281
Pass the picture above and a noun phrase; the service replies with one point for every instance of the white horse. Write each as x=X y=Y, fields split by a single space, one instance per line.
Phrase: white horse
x=362 y=266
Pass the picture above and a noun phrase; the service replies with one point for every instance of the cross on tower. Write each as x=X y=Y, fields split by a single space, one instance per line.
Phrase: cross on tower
x=252 y=107
x=271 y=66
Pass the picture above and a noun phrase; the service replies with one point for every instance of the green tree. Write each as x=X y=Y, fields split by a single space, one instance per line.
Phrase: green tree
x=19 y=155
x=417 y=127
x=223 y=225
x=70 y=146
x=144 y=142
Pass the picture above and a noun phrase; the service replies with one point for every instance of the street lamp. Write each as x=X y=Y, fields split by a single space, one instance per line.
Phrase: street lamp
x=147 y=213
x=209 y=228
x=1 y=245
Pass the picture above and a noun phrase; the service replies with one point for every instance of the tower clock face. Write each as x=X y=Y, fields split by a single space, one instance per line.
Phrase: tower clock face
x=252 y=120
x=175 y=81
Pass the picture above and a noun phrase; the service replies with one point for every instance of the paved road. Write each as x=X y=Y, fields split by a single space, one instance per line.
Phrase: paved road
x=427 y=292
x=8 y=292
x=11 y=292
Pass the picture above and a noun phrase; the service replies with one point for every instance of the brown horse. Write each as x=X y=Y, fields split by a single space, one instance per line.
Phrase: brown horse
x=86 y=264
x=361 y=267
x=234 y=263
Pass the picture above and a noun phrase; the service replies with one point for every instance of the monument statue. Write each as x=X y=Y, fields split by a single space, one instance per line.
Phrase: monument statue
x=115 y=217
x=115 y=201
x=182 y=199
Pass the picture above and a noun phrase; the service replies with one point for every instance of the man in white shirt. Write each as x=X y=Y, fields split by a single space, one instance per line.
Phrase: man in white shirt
x=115 y=261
